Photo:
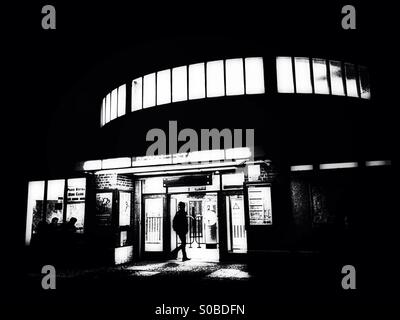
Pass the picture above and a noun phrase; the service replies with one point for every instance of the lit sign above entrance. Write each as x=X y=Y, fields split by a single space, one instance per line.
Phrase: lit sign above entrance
x=192 y=180
x=218 y=155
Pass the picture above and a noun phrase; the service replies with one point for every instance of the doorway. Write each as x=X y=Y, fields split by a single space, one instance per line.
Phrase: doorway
x=203 y=236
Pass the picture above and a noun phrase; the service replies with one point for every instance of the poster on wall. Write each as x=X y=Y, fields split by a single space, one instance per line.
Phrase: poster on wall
x=260 y=211
x=124 y=209
x=103 y=209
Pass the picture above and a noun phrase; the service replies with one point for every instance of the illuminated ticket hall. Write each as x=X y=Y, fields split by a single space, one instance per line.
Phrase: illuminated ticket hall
x=294 y=194
x=131 y=209
x=213 y=194
x=236 y=206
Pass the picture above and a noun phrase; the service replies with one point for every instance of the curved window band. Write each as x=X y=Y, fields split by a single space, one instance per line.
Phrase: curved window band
x=237 y=76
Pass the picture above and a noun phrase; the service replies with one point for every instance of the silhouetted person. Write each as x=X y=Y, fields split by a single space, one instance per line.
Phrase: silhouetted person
x=70 y=226
x=53 y=226
x=42 y=232
x=180 y=226
x=68 y=231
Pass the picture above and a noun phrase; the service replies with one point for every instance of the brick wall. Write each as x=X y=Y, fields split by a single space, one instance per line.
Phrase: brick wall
x=114 y=181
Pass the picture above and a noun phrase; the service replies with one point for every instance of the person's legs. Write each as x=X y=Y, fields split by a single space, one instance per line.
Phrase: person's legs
x=183 y=246
x=174 y=253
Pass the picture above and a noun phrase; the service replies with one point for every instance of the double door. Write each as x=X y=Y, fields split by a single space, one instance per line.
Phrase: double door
x=215 y=222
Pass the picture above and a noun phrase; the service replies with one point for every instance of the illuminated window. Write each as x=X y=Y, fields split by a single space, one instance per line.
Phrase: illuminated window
x=320 y=76
x=137 y=94
x=364 y=83
x=303 y=75
x=164 y=87
x=154 y=221
x=34 y=208
x=124 y=208
x=335 y=69
x=108 y=108
x=351 y=79
x=76 y=195
x=114 y=104
x=121 y=100
x=123 y=240
x=153 y=185
x=254 y=75
x=215 y=79
x=284 y=75
x=55 y=201
x=196 y=81
x=149 y=90
x=232 y=180
x=234 y=77
x=179 y=84
x=103 y=112
x=236 y=223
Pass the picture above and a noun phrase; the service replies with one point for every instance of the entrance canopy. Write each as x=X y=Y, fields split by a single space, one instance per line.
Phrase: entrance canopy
x=198 y=161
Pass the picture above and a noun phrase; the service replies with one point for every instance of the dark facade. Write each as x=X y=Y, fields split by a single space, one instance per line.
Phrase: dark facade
x=315 y=210
x=305 y=167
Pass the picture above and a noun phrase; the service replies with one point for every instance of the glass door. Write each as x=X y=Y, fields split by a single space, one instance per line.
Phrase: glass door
x=237 y=237
x=154 y=221
x=202 y=242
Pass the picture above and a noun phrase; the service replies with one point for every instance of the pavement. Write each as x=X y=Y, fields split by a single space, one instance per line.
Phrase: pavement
x=303 y=281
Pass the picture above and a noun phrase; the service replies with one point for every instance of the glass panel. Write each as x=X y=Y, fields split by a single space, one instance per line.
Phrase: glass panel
x=137 y=94
x=121 y=100
x=124 y=208
x=179 y=84
x=153 y=224
x=254 y=75
x=55 y=201
x=234 y=77
x=164 y=87
x=351 y=80
x=76 y=202
x=232 y=180
x=153 y=185
x=320 y=76
x=123 y=254
x=149 y=90
x=364 y=83
x=336 y=78
x=123 y=238
x=114 y=103
x=34 y=209
x=260 y=210
x=108 y=108
x=215 y=79
x=103 y=209
x=197 y=85
x=210 y=220
x=284 y=75
x=103 y=112
x=237 y=237
x=303 y=75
